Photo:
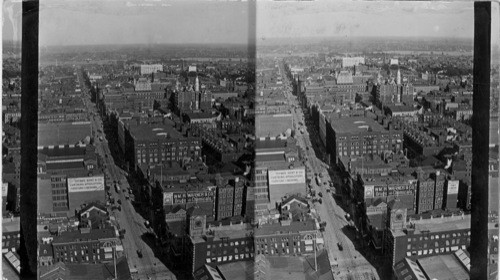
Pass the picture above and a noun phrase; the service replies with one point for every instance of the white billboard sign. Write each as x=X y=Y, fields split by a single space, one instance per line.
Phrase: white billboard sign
x=5 y=188
x=86 y=184
x=453 y=186
x=289 y=176
x=369 y=191
x=168 y=198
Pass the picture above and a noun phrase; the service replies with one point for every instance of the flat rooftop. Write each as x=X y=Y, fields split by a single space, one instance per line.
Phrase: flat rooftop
x=272 y=125
x=154 y=131
x=356 y=125
x=63 y=133
x=241 y=270
x=436 y=225
x=270 y=229
x=443 y=267
x=227 y=232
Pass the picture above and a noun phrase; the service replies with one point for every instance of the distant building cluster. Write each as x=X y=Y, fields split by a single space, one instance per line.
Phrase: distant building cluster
x=402 y=140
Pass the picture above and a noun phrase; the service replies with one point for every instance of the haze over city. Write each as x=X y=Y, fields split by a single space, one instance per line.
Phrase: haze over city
x=364 y=19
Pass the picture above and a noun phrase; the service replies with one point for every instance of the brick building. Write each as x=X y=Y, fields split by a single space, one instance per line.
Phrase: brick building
x=229 y=198
x=286 y=238
x=85 y=245
x=155 y=143
x=426 y=237
x=68 y=176
x=356 y=136
x=216 y=245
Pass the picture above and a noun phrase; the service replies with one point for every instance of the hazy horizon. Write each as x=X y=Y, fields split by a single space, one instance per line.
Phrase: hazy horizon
x=92 y=22
x=351 y=19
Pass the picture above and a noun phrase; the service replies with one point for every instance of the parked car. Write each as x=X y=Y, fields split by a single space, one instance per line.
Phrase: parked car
x=139 y=253
x=341 y=248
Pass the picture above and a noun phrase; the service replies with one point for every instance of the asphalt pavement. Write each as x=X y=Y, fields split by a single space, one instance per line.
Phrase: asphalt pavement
x=148 y=266
x=348 y=263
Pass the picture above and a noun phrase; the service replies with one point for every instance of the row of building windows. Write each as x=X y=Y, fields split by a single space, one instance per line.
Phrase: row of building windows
x=226 y=208
x=236 y=243
x=447 y=243
x=434 y=251
x=60 y=204
x=230 y=258
x=443 y=236
x=59 y=197
x=261 y=178
x=345 y=153
x=209 y=253
x=276 y=239
x=58 y=192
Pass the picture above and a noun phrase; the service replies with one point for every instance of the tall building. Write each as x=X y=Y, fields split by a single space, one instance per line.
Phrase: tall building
x=156 y=143
x=352 y=61
x=85 y=245
x=68 y=177
x=147 y=69
x=192 y=101
x=355 y=136
x=217 y=245
x=197 y=84
x=451 y=194
x=426 y=237
x=286 y=238
x=229 y=198
x=278 y=173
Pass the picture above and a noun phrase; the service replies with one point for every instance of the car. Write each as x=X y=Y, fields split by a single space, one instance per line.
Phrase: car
x=341 y=248
x=139 y=253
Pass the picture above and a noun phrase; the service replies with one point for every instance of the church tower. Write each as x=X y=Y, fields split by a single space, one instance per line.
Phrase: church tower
x=197 y=221
x=196 y=84
x=397 y=215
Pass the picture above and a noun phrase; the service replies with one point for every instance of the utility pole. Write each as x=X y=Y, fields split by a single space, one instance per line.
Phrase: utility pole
x=114 y=260
x=315 y=259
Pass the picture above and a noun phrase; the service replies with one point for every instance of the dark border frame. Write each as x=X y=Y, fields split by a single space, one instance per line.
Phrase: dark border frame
x=29 y=131
x=480 y=140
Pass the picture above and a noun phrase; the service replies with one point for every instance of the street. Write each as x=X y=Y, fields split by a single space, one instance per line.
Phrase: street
x=149 y=266
x=347 y=263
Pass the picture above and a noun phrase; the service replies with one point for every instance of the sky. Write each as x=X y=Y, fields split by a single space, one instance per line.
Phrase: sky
x=11 y=20
x=143 y=22
x=72 y=22
x=364 y=19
